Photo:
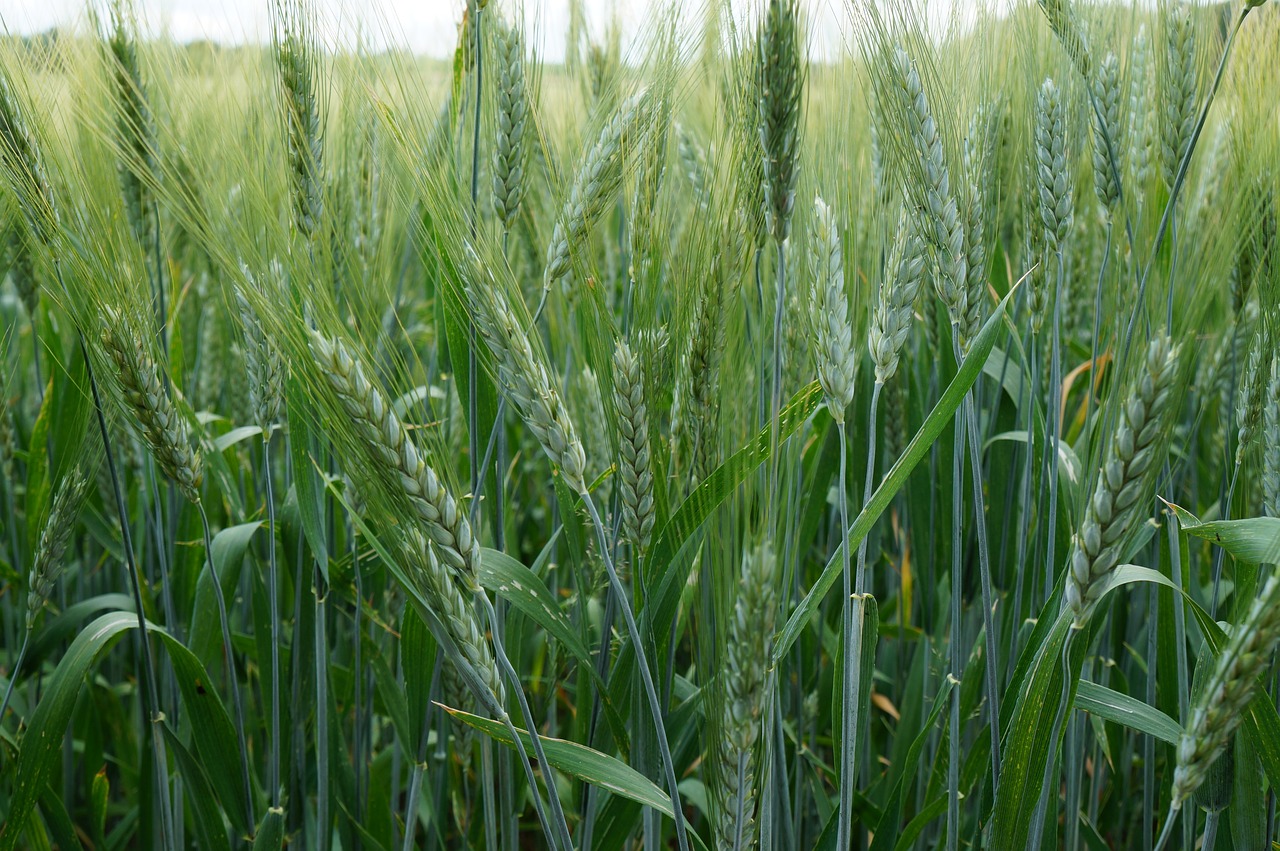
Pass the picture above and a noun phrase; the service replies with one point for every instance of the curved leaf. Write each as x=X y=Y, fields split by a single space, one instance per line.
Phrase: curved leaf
x=1255 y=540
x=1126 y=710
x=41 y=747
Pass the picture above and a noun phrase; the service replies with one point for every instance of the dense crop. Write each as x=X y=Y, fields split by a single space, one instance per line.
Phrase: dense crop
x=713 y=444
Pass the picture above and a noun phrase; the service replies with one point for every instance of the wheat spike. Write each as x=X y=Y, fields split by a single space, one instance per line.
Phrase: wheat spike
x=901 y=285
x=525 y=378
x=386 y=438
x=1178 y=113
x=263 y=365
x=946 y=232
x=164 y=430
x=780 y=67
x=1271 y=440
x=1052 y=171
x=1106 y=129
x=745 y=676
x=1120 y=496
x=513 y=110
x=829 y=313
x=596 y=183
x=633 y=446
x=48 y=564
x=1226 y=695
x=20 y=156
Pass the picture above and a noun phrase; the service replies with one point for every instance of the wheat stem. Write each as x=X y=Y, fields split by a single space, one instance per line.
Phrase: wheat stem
x=642 y=662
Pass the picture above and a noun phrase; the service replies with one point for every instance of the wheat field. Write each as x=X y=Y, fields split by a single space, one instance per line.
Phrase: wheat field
x=707 y=442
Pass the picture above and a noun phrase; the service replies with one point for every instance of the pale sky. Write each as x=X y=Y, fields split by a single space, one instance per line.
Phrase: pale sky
x=425 y=26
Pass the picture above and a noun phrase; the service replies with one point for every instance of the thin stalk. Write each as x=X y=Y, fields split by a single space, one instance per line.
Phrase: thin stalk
x=490 y=806
x=152 y=696
x=1210 y=838
x=228 y=649
x=860 y=583
x=1167 y=831
x=273 y=603
x=358 y=681
x=560 y=825
x=954 y=756
x=323 y=827
x=419 y=766
x=642 y=663
x=1097 y=320
x=852 y=635
x=13 y=672
x=473 y=404
x=776 y=402
x=1055 y=429
x=989 y=626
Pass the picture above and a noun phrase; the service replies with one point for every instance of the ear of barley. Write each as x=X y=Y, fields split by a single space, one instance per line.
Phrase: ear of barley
x=745 y=677
x=1066 y=26
x=1178 y=104
x=1139 y=112
x=636 y=474
x=48 y=563
x=891 y=318
x=596 y=183
x=20 y=157
x=1250 y=398
x=702 y=382
x=1226 y=695
x=1271 y=440
x=263 y=364
x=945 y=231
x=1037 y=280
x=693 y=160
x=525 y=378
x=386 y=438
x=781 y=82
x=1120 y=497
x=135 y=130
x=595 y=436
x=1106 y=132
x=295 y=61
x=165 y=431
x=513 y=110
x=829 y=313
x=1052 y=172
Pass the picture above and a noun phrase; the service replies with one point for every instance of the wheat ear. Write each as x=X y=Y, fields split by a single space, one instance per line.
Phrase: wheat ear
x=633 y=446
x=385 y=437
x=1119 y=498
